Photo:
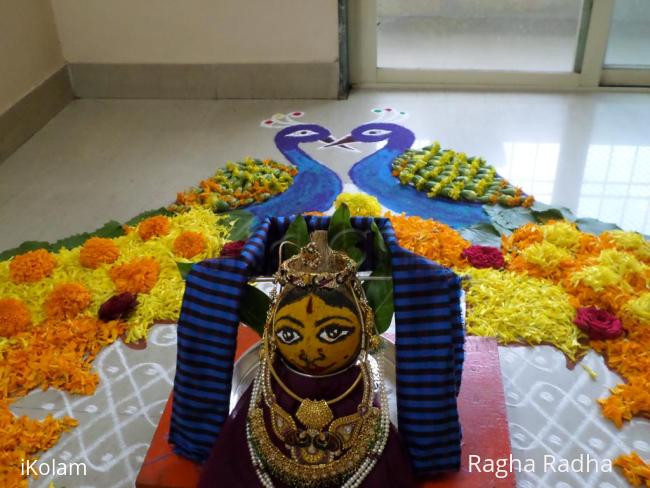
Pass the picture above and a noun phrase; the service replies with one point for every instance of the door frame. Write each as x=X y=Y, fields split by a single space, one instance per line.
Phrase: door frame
x=589 y=72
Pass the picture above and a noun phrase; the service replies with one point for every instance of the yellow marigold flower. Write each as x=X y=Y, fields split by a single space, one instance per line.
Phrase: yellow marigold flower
x=153 y=227
x=137 y=276
x=639 y=309
x=31 y=266
x=360 y=204
x=14 y=317
x=632 y=241
x=546 y=254
x=67 y=301
x=97 y=251
x=562 y=234
x=599 y=277
x=188 y=244
x=622 y=263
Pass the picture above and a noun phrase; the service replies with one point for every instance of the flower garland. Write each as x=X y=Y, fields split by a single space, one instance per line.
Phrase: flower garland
x=451 y=174
x=238 y=184
x=359 y=204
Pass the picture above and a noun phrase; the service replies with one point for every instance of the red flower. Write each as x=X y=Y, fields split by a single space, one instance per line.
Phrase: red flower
x=118 y=307
x=598 y=324
x=484 y=257
x=232 y=249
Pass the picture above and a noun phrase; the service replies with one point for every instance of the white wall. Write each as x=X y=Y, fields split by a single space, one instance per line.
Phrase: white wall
x=197 y=31
x=29 y=48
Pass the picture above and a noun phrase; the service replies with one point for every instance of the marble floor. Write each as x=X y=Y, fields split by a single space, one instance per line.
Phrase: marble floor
x=111 y=159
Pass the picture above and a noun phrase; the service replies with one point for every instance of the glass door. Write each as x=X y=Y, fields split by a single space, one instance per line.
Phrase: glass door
x=627 y=59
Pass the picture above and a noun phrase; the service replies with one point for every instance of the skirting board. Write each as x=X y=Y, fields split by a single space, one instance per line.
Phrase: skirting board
x=206 y=81
x=33 y=111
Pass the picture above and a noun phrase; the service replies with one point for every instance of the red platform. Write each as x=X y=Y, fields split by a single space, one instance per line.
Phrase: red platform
x=482 y=413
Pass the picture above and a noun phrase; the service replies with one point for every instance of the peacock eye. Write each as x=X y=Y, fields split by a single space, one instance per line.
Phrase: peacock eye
x=334 y=333
x=375 y=132
x=287 y=335
x=302 y=133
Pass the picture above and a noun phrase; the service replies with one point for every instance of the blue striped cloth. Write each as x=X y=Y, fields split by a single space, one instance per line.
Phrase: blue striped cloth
x=429 y=345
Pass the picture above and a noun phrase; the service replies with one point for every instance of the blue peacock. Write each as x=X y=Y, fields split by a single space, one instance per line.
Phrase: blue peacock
x=316 y=186
x=373 y=175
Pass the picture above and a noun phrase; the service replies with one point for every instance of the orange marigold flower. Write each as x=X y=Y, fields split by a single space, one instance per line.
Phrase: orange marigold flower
x=31 y=266
x=189 y=244
x=153 y=227
x=97 y=251
x=67 y=301
x=137 y=276
x=431 y=239
x=14 y=317
x=635 y=469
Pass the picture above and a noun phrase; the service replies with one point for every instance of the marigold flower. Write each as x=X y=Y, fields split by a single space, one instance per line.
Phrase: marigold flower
x=153 y=227
x=430 y=239
x=97 y=251
x=31 y=266
x=14 y=317
x=360 y=204
x=137 y=276
x=188 y=244
x=67 y=301
x=635 y=469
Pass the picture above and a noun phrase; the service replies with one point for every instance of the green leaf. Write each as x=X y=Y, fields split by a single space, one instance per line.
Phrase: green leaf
x=109 y=230
x=243 y=224
x=380 y=293
x=544 y=216
x=253 y=307
x=184 y=268
x=506 y=219
x=342 y=236
x=23 y=248
x=482 y=235
x=298 y=235
x=595 y=226
x=148 y=213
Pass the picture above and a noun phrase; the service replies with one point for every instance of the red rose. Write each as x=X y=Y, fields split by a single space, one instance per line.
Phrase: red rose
x=484 y=257
x=232 y=249
x=598 y=324
x=118 y=307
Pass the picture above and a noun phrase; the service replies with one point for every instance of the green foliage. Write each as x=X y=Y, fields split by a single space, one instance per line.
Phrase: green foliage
x=482 y=235
x=594 y=226
x=184 y=268
x=297 y=235
x=342 y=236
x=244 y=222
x=253 y=307
x=380 y=293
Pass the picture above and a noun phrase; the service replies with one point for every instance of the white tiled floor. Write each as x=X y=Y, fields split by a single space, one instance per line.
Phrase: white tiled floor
x=104 y=159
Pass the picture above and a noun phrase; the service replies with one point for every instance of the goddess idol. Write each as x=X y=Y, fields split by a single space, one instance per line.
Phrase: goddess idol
x=317 y=413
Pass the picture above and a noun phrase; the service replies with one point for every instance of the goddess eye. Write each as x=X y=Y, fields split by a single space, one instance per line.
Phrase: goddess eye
x=334 y=333
x=288 y=335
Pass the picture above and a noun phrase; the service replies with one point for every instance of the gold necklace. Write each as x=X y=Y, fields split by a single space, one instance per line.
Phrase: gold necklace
x=314 y=414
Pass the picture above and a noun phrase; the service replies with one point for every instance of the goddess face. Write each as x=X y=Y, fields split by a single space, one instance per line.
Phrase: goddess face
x=317 y=332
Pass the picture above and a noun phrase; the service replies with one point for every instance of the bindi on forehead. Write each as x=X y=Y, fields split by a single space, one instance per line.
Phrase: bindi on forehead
x=310 y=305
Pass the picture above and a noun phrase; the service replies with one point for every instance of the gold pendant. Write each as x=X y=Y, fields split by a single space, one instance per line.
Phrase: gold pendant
x=314 y=414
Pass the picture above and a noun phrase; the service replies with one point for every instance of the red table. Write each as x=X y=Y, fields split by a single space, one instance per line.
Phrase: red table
x=482 y=414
